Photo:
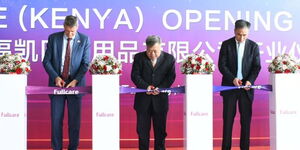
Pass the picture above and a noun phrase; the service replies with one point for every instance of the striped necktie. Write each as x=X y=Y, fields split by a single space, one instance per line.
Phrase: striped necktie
x=66 y=69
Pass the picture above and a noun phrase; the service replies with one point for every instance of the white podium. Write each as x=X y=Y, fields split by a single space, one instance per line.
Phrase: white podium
x=106 y=112
x=285 y=112
x=198 y=109
x=13 y=112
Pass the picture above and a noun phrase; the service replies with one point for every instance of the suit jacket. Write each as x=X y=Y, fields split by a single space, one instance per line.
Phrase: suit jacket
x=162 y=76
x=228 y=64
x=79 y=57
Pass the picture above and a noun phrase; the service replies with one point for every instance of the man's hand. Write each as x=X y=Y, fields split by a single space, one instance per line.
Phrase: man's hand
x=156 y=91
x=150 y=87
x=237 y=82
x=59 y=82
x=247 y=84
x=72 y=84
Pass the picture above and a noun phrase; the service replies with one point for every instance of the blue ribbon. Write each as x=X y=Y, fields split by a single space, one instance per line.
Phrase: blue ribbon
x=127 y=90
x=257 y=87
x=181 y=89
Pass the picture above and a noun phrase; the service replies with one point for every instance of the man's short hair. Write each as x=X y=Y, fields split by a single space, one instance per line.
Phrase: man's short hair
x=242 y=24
x=71 y=21
x=152 y=40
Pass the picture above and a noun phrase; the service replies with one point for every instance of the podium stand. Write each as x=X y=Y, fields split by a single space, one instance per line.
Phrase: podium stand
x=106 y=112
x=198 y=106
x=285 y=112
x=13 y=111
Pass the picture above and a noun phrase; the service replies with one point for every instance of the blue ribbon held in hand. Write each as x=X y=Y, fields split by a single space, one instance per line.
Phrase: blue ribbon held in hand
x=130 y=90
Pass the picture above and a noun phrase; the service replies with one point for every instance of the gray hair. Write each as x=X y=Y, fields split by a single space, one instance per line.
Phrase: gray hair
x=71 y=21
x=242 y=24
x=152 y=40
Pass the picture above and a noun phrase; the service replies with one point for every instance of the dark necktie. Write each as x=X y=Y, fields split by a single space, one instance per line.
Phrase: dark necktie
x=65 y=73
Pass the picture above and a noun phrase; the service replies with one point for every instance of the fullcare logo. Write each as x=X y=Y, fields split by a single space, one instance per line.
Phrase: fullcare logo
x=199 y=114
x=65 y=92
x=9 y=115
x=104 y=114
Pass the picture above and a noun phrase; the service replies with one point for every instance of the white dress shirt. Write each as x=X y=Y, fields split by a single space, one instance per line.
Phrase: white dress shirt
x=240 y=53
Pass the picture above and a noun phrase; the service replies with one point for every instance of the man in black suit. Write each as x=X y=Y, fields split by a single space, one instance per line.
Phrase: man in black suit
x=152 y=69
x=239 y=63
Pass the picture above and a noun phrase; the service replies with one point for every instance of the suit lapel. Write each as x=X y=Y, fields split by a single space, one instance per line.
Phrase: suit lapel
x=75 y=46
x=60 y=48
x=159 y=61
x=246 y=51
x=234 y=53
x=148 y=61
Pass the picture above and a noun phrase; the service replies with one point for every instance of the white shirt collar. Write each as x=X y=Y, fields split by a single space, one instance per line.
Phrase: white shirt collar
x=66 y=38
x=237 y=42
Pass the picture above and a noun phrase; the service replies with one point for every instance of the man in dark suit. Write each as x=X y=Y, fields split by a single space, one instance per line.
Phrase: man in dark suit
x=66 y=61
x=152 y=69
x=239 y=63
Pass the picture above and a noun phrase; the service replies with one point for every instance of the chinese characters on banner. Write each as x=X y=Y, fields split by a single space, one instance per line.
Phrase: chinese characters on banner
x=124 y=51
